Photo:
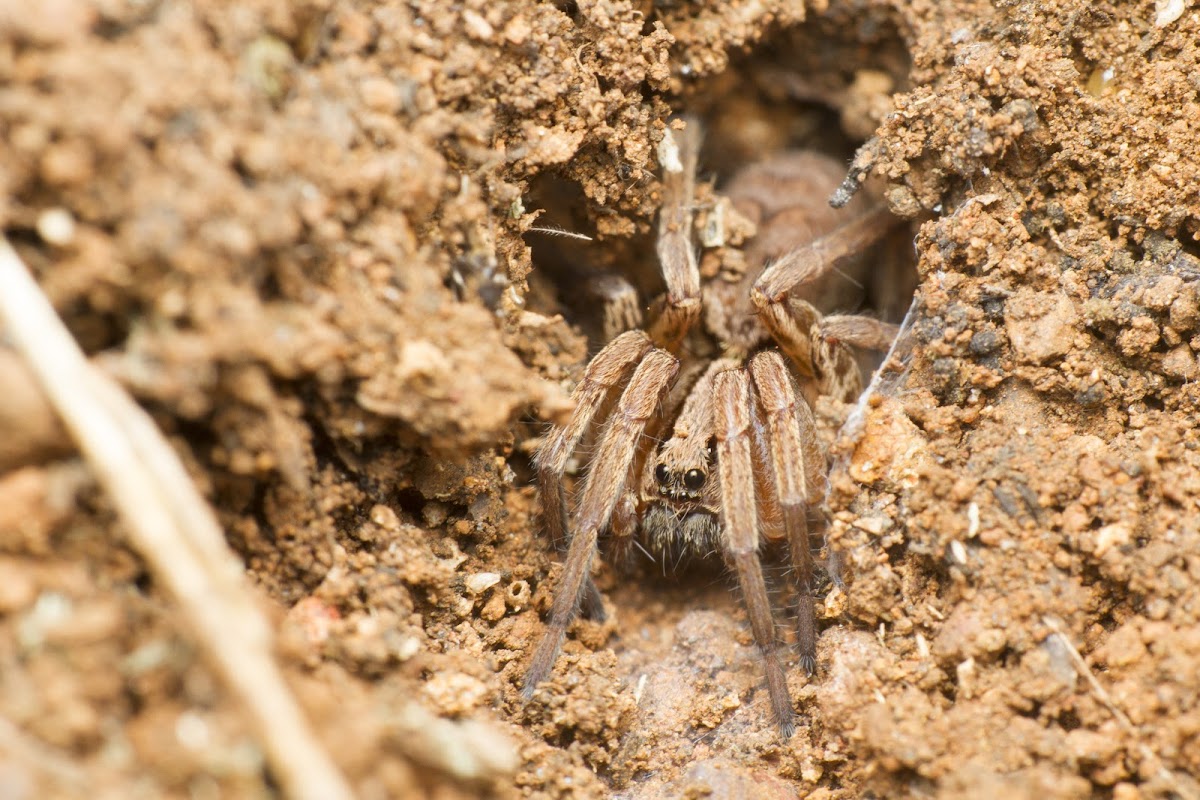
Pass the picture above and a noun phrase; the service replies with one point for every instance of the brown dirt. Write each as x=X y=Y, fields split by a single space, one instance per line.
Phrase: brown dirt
x=302 y=239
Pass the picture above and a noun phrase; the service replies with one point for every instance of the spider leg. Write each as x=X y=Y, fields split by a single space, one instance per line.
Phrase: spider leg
x=620 y=309
x=806 y=264
x=857 y=331
x=610 y=368
x=603 y=489
x=626 y=519
x=681 y=308
x=739 y=517
x=828 y=363
x=795 y=324
x=790 y=452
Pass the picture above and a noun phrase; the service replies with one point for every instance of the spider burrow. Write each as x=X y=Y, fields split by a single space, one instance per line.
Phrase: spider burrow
x=705 y=441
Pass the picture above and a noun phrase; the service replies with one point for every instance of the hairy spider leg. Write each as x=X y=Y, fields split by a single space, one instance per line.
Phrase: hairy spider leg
x=796 y=326
x=739 y=518
x=784 y=423
x=603 y=488
x=680 y=309
x=610 y=368
x=857 y=331
x=620 y=308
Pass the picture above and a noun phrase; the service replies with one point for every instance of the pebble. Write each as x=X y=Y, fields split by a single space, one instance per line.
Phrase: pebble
x=480 y=582
x=56 y=226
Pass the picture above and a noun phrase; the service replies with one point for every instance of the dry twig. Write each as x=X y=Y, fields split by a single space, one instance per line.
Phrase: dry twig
x=173 y=528
x=1105 y=699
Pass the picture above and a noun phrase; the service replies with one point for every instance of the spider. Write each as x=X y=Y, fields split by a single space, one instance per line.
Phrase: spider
x=705 y=441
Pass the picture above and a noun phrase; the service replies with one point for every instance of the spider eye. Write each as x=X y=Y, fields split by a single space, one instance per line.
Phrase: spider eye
x=662 y=474
x=693 y=479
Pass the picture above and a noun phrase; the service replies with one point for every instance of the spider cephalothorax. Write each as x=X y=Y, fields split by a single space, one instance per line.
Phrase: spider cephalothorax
x=680 y=520
x=704 y=441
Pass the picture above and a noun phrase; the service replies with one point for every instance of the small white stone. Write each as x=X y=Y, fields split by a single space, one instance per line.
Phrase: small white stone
x=56 y=226
x=1110 y=536
x=49 y=611
x=477 y=26
x=407 y=648
x=958 y=551
x=1167 y=11
x=420 y=357
x=965 y=672
x=972 y=520
x=480 y=582
x=192 y=731
x=872 y=525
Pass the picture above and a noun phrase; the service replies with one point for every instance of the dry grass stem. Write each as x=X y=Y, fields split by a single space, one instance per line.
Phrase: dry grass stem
x=1105 y=699
x=172 y=527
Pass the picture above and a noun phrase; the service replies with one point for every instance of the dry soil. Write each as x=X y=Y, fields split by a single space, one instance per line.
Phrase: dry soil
x=315 y=240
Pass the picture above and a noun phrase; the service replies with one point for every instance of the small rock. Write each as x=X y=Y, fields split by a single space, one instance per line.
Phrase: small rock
x=480 y=582
x=1123 y=647
x=1040 y=326
x=872 y=525
x=1167 y=11
x=56 y=226
x=380 y=94
x=965 y=671
x=1162 y=293
x=1110 y=536
x=314 y=620
x=493 y=610
x=455 y=693
x=477 y=27
x=1091 y=746
x=1181 y=363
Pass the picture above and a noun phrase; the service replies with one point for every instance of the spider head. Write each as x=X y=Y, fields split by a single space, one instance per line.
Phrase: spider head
x=683 y=480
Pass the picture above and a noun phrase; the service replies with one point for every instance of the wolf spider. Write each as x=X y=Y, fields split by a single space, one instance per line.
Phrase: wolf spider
x=741 y=463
